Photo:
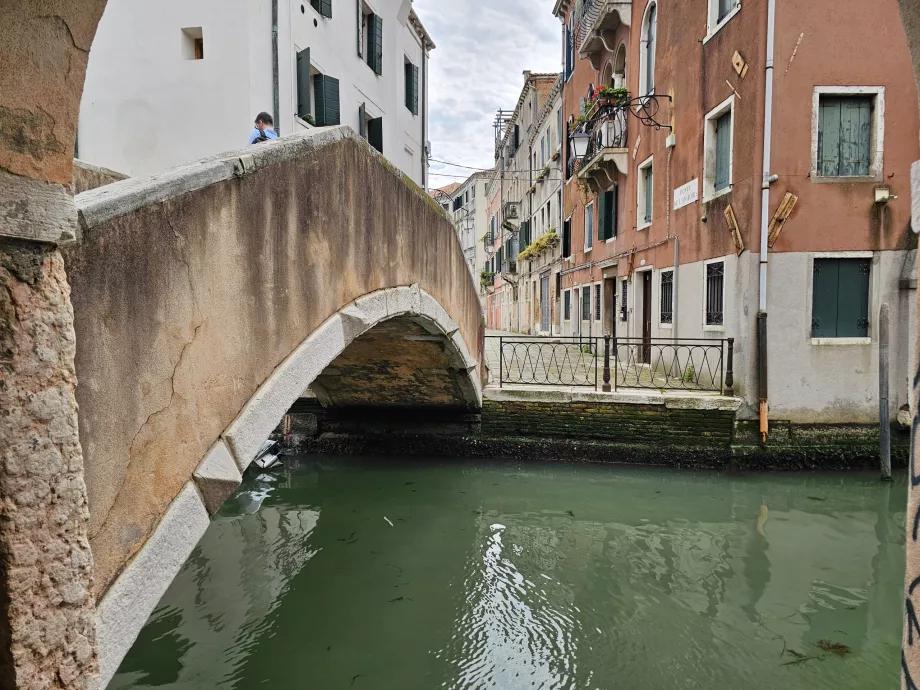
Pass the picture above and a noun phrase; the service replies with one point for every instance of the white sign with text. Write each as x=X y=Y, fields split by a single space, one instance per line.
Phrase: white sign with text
x=686 y=194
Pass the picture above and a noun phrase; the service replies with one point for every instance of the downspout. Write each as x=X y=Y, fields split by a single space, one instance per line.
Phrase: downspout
x=275 y=87
x=669 y=201
x=765 y=226
x=424 y=117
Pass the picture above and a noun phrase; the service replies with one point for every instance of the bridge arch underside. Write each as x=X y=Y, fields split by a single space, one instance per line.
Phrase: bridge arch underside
x=393 y=357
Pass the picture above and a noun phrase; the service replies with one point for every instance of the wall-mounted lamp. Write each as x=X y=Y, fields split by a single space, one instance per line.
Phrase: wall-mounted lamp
x=580 y=143
x=883 y=195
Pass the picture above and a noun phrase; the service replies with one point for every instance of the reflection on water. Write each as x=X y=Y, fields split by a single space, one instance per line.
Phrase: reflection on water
x=534 y=576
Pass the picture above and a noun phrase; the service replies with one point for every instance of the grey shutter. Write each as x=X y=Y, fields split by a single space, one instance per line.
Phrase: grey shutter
x=375 y=46
x=303 y=83
x=855 y=135
x=648 y=181
x=853 y=298
x=325 y=8
x=723 y=151
x=415 y=91
x=824 y=298
x=829 y=137
x=360 y=28
x=375 y=133
x=362 y=120
x=326 y=93
x=411 y=73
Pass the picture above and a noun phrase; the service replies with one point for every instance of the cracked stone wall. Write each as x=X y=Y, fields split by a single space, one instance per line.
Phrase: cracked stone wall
x=47 y=640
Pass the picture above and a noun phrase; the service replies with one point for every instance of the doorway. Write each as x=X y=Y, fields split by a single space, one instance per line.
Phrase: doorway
x=646 y=352
x=544 y=303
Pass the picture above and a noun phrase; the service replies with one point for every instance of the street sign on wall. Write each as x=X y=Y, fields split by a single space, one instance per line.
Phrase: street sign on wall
x=686 y=194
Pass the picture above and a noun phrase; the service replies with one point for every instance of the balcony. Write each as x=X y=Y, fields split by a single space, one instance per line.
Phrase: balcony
x=599 y=21
x=607 y=151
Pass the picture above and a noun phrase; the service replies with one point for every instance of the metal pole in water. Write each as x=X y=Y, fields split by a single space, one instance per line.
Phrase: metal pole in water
x=884 y=410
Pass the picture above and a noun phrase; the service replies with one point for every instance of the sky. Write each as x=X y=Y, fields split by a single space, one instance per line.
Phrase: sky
x=483 y=48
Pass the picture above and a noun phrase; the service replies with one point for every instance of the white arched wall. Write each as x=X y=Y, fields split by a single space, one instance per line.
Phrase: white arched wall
x=132 y=597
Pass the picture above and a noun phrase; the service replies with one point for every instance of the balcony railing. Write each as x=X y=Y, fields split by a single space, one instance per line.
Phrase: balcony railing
x=607 y=152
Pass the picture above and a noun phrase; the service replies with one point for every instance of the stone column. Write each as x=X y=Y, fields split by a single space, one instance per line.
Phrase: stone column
x=47 y=635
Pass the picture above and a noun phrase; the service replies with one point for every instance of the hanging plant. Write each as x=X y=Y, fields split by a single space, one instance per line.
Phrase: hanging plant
x=546 y=241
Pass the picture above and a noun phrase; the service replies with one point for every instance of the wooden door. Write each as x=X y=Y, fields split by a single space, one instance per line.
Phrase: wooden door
x=646 y=317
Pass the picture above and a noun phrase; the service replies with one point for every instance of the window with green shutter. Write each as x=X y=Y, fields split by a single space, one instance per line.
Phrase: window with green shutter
x=567 y=238
x=647 y=188
x=844 y=136
x=589 y=226
x=303 y=84
x=375 y=43
x=723 y=151
x=326 y=96
x=324 y=7
x=411 y=75
x=567 y=311
x=840 y=298
x=607 y=215
x=586 y=303
x=375 y=133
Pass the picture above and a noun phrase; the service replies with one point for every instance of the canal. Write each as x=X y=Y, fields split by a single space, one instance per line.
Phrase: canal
x=403 y=575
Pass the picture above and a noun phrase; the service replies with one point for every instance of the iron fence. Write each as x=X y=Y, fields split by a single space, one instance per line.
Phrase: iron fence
x=611 y=363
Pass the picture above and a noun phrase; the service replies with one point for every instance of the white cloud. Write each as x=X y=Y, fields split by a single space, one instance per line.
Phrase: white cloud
x=482 y=51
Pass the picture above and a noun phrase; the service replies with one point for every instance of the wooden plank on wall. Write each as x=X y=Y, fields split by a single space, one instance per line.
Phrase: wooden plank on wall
x=780 y=217
x=733 y=226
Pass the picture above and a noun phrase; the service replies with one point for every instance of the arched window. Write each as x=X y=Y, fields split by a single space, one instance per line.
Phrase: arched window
x=619 y=67
x=607 y=79
x=647 y=68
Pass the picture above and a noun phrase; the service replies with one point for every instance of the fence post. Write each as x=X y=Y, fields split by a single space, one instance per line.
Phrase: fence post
x=616 y=368
x=730 y=369
x=884 y=410
x=606 y=387
x=501 y=356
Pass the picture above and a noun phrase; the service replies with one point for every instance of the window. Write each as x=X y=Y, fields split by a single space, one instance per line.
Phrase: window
x=192 y=43
x=647 y=66
x=848 y=128
x=607 y=215
x=624 y=287
x=718 y=137
x=569 y=48
x=326 y=97
x=720 y=11
x=597 y=301
x=645 y=194
x=715 y=284
x=567 y=306
x=411 y=72
x=840 y=298
x=586 y=303
x=372 y=31
x=589 y=226
x=567 y=238
x=667 y=297
x=324 y=7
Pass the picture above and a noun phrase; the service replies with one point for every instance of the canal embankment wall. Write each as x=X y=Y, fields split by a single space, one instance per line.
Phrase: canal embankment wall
x=626 y=427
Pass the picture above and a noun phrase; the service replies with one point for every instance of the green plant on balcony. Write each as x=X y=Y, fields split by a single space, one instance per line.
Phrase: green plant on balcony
x=618 y=95
x=546 y=241
x=486 y=278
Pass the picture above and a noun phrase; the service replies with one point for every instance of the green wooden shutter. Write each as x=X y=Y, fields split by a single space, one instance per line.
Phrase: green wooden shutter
x=723 y=151
x=326 y=93
x=602 y=216
x=853 y=298
x=855 y=135
x=567 y=238
x=614 y=210
x=375 y=43
x=824 y=298
x=607 y=208
x=325 y=8
x=415 y=91
x=362 y=120
x=360 y=32
x=829 y=137
x=375 y=133
x=303 y=83
x=411 y=74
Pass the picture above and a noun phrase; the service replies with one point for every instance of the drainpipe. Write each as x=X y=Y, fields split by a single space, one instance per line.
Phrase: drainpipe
x=275 y=88
x=425 y=117
x=765 y=225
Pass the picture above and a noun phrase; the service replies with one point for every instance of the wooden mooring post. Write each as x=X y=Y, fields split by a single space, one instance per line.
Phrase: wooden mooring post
x=884 y=409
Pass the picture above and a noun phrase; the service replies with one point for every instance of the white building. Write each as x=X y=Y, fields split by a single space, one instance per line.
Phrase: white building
x=175 y=80
x=468 y=206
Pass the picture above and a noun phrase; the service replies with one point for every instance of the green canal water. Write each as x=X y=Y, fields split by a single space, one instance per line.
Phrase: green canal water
x=404 y=575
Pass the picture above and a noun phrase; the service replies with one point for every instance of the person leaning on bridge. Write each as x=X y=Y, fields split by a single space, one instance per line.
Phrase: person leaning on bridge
x=264 y=129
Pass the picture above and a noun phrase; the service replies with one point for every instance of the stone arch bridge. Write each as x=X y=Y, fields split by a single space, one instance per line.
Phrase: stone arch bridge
x=155 y=331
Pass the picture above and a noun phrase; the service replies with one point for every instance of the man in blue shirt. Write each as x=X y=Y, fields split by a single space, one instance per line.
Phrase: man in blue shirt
x=264 y=129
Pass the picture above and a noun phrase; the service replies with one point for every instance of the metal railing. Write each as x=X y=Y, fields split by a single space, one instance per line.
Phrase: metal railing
x=607 y=130
x=611 y=363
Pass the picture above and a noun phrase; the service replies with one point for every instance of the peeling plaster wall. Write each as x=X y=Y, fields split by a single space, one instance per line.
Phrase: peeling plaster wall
x=191 y=287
